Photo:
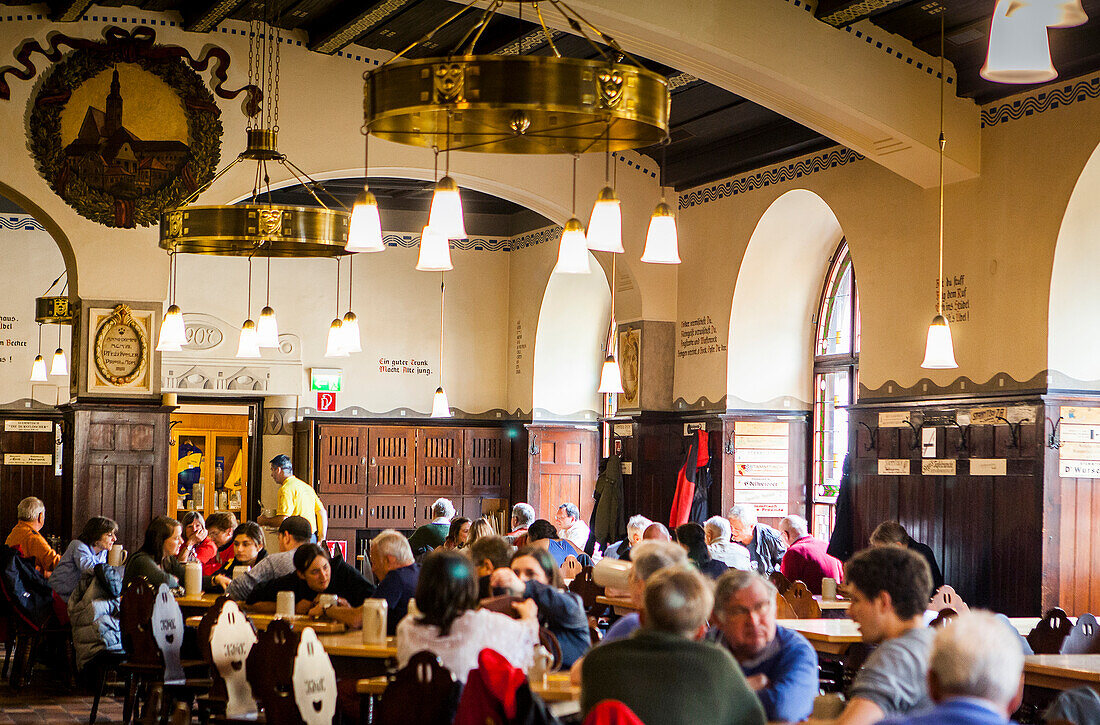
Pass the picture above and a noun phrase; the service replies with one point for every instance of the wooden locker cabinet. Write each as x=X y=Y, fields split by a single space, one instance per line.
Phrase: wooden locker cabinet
x=395 y=472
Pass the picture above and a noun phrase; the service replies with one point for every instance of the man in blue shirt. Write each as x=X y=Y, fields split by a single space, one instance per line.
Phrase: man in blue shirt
x=779 y=664
x=975 y=673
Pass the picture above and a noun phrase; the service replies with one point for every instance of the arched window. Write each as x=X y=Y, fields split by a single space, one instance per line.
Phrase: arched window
x=836 y=365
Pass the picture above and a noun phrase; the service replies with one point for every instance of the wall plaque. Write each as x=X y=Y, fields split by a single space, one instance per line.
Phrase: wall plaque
x=28 y=459
x=28 y=426
x=119 y=350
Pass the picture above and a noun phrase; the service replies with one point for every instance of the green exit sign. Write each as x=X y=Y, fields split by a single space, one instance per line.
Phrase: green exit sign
x=325 y=380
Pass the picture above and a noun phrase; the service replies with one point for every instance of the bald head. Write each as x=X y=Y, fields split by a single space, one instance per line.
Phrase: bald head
x=656 y=532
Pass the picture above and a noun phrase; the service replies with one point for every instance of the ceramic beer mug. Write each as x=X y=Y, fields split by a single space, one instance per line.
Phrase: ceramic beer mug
x=374 y=621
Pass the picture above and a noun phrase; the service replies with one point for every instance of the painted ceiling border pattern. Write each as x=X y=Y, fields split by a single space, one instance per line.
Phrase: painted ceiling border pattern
x=878 y=44
x=481 y=244
x=21 y=223
x=1041 y=102
x=777 y=174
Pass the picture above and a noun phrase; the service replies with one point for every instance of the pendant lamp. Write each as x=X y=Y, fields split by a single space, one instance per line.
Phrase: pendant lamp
x=249 y=343
x=38 y=367
x=267 y=330
x=334 y=345
x=573 y=255
x=1019 y=50
x=59 y=365
x=611 y=378
x=349 y=325
x=435 y=251
x=661 y=242
x=605 y=226
x=365 y=230
x=173 y=334
x=446 y=213
x=441 y=408
x=939 y=352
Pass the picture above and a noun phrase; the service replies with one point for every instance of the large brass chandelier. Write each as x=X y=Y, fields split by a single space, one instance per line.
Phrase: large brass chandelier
x=518 y=104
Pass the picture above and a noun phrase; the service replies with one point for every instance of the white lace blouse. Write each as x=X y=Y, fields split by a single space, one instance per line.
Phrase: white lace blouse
x=473 y=631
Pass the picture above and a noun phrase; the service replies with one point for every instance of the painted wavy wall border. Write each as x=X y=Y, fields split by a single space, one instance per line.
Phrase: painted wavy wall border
x=1041 y=101
x=1001 y=382
x=775 y=175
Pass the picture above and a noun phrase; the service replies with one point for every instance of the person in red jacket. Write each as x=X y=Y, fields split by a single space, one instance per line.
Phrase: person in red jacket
x=806 y=558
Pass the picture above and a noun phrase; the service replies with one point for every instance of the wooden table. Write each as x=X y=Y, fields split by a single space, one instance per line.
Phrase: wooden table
x=350 y=644
x=834 y=636
x=1062 y=672
x=297 y=623
x=557 y=688
x=203 y=601
x=839 y=605
x=621 y=605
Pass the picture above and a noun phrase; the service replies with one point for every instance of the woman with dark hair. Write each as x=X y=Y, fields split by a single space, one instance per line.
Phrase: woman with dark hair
x=543 y=535
x=450 y=626
x=156 y=561
x=458 y=534
x=84 y=552
x=316 y=574
x=534 y=575
x=196 y=539
x=248 y=550
x=693 y=538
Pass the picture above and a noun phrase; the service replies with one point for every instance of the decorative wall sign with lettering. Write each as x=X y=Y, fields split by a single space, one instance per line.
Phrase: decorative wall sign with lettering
x=760 y=456
x=120 y=354
x=1079 y=456
x=28 y=426
x=893 y=467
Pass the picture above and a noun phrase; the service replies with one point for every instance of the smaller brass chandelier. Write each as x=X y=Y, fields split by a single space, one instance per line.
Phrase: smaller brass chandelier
x=260 y=228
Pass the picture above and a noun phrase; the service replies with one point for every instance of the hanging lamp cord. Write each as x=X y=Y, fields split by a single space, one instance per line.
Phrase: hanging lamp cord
x=442 y=298
x=943 y=142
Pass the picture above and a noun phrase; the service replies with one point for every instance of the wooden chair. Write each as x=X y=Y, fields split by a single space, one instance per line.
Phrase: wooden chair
x=226 y=636
x=152 y=631
x=501 y=605
x=583 y=586
x=1050 y=632
x=570 y=568
x=423 y=692
x=783 y=608
x=1084 y=638
x=550 y=642
x=292 y=676
x=803 y=601
x=780 y=582
x=945 y=597
x=943 y=618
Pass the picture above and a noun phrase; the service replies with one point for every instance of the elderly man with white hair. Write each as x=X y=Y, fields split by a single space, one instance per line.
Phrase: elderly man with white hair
x=635 y=527
x=806 y=559
x=764 y=543
x=975 y=673
x=730 y=553
x=26 y=535
x=431 y=535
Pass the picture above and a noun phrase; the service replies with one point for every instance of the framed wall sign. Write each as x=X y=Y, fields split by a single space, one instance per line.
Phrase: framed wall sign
x=119 y=344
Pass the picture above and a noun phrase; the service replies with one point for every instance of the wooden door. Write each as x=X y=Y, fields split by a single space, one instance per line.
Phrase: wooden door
x=488 y=462
x=27 y=469
x=439 y=462
x=391 y=468
x=562 y=467
x=342 y=459
x=120 y=463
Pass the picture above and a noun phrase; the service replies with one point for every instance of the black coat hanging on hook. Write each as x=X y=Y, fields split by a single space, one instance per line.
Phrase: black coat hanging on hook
x=692 y=483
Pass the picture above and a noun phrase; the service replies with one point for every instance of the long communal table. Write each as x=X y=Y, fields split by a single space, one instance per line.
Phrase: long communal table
x=834 y=636
x=297 y=623
x=1062 y=672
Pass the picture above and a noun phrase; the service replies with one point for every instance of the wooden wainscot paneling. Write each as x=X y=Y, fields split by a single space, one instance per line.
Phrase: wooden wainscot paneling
x=28 y=447
x=964 y=477
x=116 y=465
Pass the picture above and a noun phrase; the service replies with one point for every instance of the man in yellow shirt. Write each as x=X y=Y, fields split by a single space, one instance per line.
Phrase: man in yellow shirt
x=296 y=498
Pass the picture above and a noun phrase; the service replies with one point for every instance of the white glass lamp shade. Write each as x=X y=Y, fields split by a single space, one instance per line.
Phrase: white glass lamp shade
x=249 y=343
x=365 y=231
x=939 y=353
x=446 y=213
x=173 y=335
x=611 y=379
x=440 y=407
x=573 y=252
x=435 y=251
x=605 y=227
x=661 y=243
x=1019 y=51
x=38 y=370
x=334 y=346
x=267 y=330
x=60 y=364
x=349 y=328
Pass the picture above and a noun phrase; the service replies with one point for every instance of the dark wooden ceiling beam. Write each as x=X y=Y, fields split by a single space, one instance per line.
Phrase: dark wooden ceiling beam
x=345 y=31
x=839 y=13
x=211 y=15
x=68 y=10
